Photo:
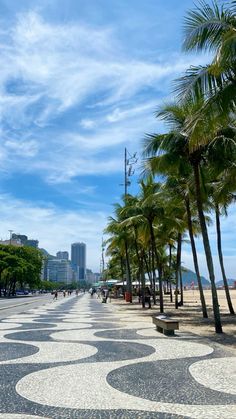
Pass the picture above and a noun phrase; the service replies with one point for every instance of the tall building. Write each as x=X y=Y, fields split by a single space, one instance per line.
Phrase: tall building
x=78 y=258
x=59 y=270
x=63 y=255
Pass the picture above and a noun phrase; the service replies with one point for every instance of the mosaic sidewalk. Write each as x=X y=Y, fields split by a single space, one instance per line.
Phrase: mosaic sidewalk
x=79 y=358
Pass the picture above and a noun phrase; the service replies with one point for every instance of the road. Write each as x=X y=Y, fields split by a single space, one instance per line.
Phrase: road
x=10 y=306
x=79 y=358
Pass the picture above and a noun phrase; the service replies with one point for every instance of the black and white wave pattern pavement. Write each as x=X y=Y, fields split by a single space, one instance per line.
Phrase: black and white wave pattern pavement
x=78 y=358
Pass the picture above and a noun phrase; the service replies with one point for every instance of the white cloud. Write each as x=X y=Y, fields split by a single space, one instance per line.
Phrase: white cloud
x=87 y=123
x=55 y=229
x=22 y=148
x=66 y=65
x=50 y=69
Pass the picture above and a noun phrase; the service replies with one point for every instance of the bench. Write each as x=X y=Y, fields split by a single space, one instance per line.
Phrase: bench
x=165 y=325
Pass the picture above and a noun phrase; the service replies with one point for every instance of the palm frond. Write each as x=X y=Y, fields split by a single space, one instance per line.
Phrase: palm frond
x=205 y=25
x=197 y=83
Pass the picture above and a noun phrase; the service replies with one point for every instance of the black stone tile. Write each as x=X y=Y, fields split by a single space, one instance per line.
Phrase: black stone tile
x=167 y=381
x=126 y=334
x=32 y=335
x=117 y=351
x=14 y=350
x=107 y=325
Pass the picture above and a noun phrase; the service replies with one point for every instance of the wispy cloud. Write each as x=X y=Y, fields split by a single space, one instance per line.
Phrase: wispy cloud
x=47 y=222
x=22 y=148
x=48 y=70
x=65 y=64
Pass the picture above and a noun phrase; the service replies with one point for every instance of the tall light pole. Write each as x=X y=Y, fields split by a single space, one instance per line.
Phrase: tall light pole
x=129 y=161
x=103 y=260
x=10 y=231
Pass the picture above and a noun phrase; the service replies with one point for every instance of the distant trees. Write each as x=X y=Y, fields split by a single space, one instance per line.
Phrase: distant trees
x=20 y=267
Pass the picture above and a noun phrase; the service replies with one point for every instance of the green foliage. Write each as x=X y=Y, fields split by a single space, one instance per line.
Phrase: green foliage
x=19 y=267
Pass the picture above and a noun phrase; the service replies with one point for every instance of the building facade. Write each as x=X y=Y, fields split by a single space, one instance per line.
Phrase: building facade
x=59 y=270
x=63 y=255
x=78 y=258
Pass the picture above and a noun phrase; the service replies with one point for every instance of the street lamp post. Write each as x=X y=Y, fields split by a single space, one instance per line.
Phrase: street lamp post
x=129 y=161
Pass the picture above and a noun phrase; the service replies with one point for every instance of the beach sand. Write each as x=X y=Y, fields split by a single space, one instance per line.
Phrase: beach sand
x=190 y=315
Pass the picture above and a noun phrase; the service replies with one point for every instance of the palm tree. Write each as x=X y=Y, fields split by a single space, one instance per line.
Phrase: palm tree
x=176 y=115
x=121 y=237
x=211 y=28
x=134 y=219
x=221 y=155
x=168 y=156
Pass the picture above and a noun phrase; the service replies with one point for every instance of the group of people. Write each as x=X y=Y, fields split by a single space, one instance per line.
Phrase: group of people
x=147 y=296
x=101 y=292
x=64 y=292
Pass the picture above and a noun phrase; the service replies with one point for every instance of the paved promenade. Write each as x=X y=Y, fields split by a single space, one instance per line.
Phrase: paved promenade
x=79 y=358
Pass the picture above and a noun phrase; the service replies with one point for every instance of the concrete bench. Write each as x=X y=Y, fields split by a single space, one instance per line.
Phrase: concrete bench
x=165 y=325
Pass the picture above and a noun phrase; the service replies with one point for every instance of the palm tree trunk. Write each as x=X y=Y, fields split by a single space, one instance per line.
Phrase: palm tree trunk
x=178 y=262
x=170 y=263
x=122 y=274
x=153 y=276
x=219 y=246
x=147 y=267
x=128 y=273
x=142 y=280
x=207 y=248
x=153 y=269
x=156 y=255
x=160 y=286
x=141 y=270
x=195 y=259
x=181 y=303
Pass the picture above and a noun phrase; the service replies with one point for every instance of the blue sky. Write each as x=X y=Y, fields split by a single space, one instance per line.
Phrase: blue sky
x=79 y=82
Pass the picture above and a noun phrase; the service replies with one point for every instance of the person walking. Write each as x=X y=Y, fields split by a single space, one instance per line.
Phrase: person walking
x=55 y=296
x=148 y=296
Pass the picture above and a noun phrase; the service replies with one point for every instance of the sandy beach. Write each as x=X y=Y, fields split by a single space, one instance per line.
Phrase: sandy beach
x=190 y=315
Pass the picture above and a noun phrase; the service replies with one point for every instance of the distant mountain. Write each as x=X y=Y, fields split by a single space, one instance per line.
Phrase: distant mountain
x=45 y=253
x=230 y=282
x=189 y=276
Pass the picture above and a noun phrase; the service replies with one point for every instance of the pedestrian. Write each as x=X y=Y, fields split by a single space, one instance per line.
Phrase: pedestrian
x=139 y=294
x=55 y=295
x=107 y=293
x=148 y=296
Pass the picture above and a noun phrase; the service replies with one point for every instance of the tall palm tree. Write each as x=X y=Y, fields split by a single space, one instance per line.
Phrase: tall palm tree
x=133 y=219
x=221 y=155
x=176 y=115
x=122 y=239
x=211 y=28
x=168 y=156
